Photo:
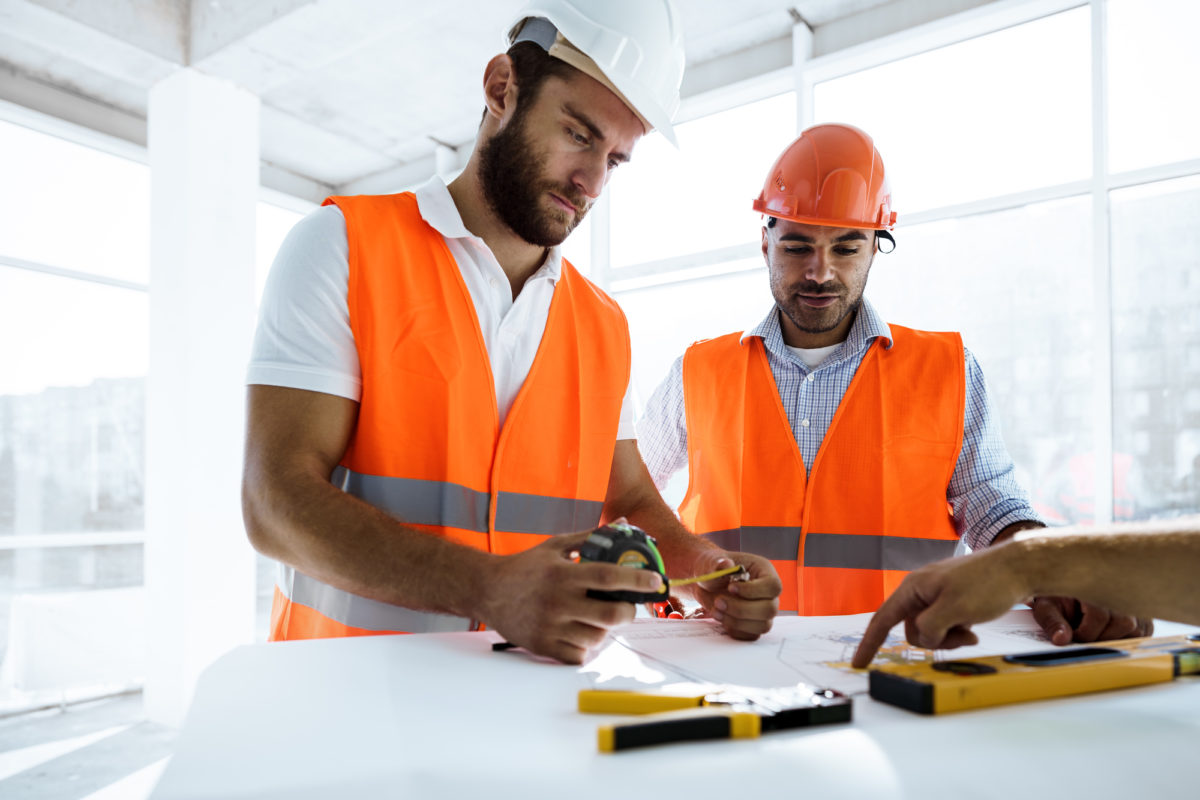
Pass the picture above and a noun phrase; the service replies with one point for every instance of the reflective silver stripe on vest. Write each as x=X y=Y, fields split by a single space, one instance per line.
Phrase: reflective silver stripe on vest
x=874 y=552
x=843 y=551
x=362 y=612
x=534 y=513
x=422 y=502
x=418 y=502
x=776 y=542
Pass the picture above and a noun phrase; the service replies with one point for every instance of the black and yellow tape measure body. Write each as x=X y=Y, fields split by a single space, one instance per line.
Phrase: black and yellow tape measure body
x=626 y=546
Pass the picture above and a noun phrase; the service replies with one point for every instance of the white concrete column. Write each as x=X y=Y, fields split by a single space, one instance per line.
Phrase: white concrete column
x=802 y=53
x=204 y=162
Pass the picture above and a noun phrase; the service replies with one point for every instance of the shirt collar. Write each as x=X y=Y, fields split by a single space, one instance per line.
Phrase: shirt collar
x=438 y=209
x=868 y=325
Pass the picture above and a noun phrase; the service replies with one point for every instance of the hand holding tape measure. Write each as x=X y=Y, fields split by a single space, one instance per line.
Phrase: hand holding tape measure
x=629 y=546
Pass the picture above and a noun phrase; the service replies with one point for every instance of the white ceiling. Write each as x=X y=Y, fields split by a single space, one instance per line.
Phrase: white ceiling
x=361 y=92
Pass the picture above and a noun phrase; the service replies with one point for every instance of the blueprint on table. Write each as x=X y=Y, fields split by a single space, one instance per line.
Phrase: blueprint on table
x=811 y=650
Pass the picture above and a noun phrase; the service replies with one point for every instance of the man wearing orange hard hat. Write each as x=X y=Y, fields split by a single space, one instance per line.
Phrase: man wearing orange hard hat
x=438 y=403
x=846 y=450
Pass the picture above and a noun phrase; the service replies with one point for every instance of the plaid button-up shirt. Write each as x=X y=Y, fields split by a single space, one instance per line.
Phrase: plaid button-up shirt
x=983 y=491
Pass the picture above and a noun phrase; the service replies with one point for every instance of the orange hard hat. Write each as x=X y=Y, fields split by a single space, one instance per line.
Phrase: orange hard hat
x=832 y=175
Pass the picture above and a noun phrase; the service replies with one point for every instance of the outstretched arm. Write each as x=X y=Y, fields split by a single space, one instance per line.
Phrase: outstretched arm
x=1143 y=569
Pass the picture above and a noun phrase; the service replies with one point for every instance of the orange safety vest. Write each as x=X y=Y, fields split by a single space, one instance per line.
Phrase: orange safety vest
x=873 y=507
x=428 y=447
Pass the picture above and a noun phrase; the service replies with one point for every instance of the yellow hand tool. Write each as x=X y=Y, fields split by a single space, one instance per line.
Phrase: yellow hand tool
x=943 y=686
x=716 y=712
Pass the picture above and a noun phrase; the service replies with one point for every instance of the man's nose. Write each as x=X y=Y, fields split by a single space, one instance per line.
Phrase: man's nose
x=818 y=269
x=591 y=174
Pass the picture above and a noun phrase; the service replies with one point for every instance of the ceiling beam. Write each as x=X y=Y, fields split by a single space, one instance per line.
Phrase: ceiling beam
x=22 y=89
x=716 y=73
x=885 y=20
x=158 y=27
x=215 y=26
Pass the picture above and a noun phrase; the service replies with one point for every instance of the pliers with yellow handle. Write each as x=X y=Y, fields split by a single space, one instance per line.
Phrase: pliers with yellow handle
x=721 y=712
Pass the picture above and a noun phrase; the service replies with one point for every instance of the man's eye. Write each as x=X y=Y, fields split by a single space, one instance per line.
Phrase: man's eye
x=846 y=251
x=577 y=136
x=797 y=251
x=613 y=163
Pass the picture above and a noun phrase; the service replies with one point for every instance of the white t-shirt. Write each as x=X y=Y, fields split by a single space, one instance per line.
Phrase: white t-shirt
x=303 y=340
x=813 y=356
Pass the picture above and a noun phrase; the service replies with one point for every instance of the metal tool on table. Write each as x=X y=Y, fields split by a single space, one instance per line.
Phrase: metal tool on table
x=715 y=712
x=943 y=686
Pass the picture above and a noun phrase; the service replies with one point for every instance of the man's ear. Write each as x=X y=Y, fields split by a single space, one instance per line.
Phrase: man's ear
x=765 y=233
x=500 y=87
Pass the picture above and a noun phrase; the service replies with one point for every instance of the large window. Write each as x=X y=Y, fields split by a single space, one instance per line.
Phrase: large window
x=1153 y=62
x=675 y=202
x=993 y=115
x=1017 y=283
x=74 y=266
x=1156 y=348
x=74 y=259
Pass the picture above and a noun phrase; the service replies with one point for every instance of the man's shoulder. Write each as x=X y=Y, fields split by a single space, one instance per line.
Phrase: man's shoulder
x=379 y=203
x=942 y=350
x=718 y=350
x=715 y=343
x=916 y=337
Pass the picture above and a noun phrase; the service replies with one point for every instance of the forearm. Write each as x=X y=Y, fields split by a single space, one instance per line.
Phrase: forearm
x=306 y=522
x=631 y=494
x=1145 y=569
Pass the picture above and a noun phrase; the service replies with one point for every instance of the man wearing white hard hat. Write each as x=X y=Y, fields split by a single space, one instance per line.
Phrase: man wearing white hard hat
x=438 y=403
x=847 y=450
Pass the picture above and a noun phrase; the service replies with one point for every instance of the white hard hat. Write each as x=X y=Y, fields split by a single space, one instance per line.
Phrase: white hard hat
x=634 y=47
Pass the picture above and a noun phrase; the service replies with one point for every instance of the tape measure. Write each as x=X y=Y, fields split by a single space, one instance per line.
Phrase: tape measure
x=626 y=546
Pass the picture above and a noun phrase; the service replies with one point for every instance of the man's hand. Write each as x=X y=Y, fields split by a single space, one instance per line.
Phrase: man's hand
x=745 y=608
x=538 y=598
x=1065 y=620
x=939 y=602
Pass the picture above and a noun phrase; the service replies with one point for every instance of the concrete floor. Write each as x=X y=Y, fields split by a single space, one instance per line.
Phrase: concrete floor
x=100 y=750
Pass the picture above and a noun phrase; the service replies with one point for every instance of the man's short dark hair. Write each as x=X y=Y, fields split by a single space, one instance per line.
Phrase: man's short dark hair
x=771 y=221
x=531 y=67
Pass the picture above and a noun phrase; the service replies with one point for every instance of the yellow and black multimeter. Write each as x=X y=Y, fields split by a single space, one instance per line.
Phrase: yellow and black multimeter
x=944 y=686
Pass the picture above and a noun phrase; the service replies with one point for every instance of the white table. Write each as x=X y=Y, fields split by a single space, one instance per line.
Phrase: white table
x=441 y=715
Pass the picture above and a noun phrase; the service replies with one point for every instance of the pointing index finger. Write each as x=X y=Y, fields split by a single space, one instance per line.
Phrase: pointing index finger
x=903 y=604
